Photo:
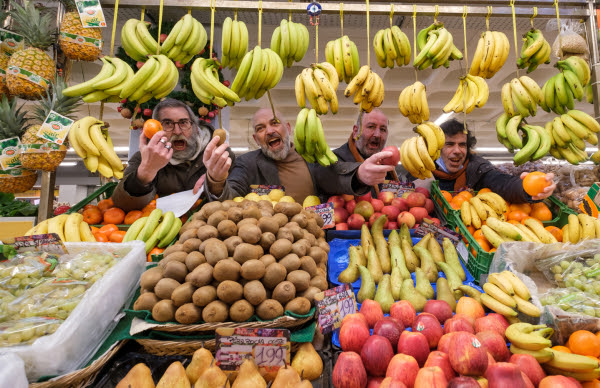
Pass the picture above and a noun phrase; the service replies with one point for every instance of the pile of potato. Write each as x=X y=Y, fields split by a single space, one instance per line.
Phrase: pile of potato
x=237 y=259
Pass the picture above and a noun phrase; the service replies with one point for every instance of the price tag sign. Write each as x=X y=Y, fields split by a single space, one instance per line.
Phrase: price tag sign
x=439 y=232
x=11 y=42
x=50 y=243
x=9 y=153
x=55 y=128
x=333 y=305
x=265 y=189
x=270 y=348
x=90 y=13
x=397 y=187
x=325 y=211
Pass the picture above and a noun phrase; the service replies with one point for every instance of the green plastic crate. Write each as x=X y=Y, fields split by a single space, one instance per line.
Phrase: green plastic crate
x=103 y=192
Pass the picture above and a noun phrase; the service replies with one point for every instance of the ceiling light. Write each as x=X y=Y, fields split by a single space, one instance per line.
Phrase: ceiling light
x=490 y=149
x=443 y=118
x=68 y=164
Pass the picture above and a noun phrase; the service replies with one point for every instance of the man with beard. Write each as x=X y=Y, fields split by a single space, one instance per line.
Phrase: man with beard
x=170 y=162
x=278 y=163
x=458 y=168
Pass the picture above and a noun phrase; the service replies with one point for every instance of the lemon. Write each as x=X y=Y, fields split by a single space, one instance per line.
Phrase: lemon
x=273 y=203
x=238 y=199
x=265 y=198
x=311 y=200
x=252 y=197
x=276 y=194
x=286 y=198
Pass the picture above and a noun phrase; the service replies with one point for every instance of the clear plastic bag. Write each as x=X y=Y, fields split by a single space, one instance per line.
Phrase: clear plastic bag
x=572 y=300
x=25 y=331
x=12 y=372
x=580 y=270
x=86 y=266
x=25 y=270
x=570 y=41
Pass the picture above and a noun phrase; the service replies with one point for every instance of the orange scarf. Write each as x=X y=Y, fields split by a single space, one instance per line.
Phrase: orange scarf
x=459 y=177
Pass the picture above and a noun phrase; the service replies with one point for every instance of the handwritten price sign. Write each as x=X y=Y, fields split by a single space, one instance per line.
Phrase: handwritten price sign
x=270 y=348
x=333 y=305
x=325 y=211
x=265 y=189
x=439 y=232
x=397 y=187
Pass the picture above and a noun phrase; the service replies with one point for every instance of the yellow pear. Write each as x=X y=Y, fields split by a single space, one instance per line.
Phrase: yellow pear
x=139 y=376
x=286 y=378
x=201 y=361
x=174 y=377
x=307 y=362
x=303 y=384
x=249 y=376
x=213 y=377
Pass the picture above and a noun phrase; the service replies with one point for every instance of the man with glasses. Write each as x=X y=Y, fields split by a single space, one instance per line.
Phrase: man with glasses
x=278 y=163
x=170 y=162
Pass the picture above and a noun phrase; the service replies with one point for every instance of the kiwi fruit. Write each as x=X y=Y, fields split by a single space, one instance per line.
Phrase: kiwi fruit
x=215 y=251
x=188 y=313
x=207 y=231
x=247 y=221
x=209 y=208
x=250 y=233
x=289 y=209
x=245 y=252
x=190 y=233
x=192 y=224
x=268 y=224
x=285 y=234
x=320 y=282
x=227 y=270
x=183 y=294
x=173 y=248
x=274 y=274
x=252 y=270
x=300 y=279
x=234 y=214
x=193 y=260
x=308 y=264
x=318 y=255
x=165 y=287
x=175 y=270
x=268 y=260
x=310 y=293
x=266 y=240
x=221 y=134
x=215 y=311
x=312 y=240
x=281 y=219
x=227 y=228
x=296 y=230
x=164 y=311
x=149 y=278
x=204 y=295
x=299 y=305
x=299 y=248
x=241 y=311
x=291 y=262
x=284 y=292
x=229 y=291
x=254 y=292
x=201 y=275
x=145 y=301
x=217 y=217
x=231 y=243
x=251 y=211
x=266 y=212
x=300 y=219
x=177 y=256
x=269 y=309
x=280 y=248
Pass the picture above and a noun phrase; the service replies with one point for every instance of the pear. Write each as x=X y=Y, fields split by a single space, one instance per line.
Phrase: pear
x=286 y=378
x=412 y=261
x=139 y=376
x=249 y=376
x=405 y=234
x=423 y=285
x=445 y=293
x=304 y=384
x=201 y=361
x=374 y=265
x=350 y=274
x=435 y=249
x=367 y=285
x=307 y=362
x=424 y=241
x=213 y=377
x=427 y=263
x=412 y=296
x=453 y=278
x=396 y=280
x=381 y=245
x=362 y=258
x=174 y=377
x=366 y=239
x=451 y=257
x=383 y=296
x=396 y=255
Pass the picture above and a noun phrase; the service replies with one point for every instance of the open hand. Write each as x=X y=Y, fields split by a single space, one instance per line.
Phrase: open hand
x=371 y=172
x=216 y=160
x=155 y=153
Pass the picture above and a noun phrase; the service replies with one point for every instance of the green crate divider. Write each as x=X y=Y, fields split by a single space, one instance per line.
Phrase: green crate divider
x=105 y=190
x=440 y=202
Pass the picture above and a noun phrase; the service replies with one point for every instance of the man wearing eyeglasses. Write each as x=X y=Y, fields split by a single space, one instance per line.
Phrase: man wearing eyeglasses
x=170 y=162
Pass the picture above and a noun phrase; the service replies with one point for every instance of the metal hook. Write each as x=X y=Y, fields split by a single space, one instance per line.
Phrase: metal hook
x=464 y=11
x=414 y=10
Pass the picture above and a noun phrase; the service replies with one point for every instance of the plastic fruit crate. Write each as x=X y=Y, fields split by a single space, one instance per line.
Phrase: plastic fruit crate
x=441 y=204
x=103 y=192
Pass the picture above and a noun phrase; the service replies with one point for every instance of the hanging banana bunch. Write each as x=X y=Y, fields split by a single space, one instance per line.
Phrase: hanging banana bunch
x=309 y=139
x=391 y=44
x=413 y=103
x=436 y=47
x=473 y=92
x=561 y=90
x=419 y=153
x=535 y=51
x=490 y=55
x=343 y=55
x=367 y=88
x=318 y=84
x=187 y=39
x=521 y=96
x=234 y=43
x=290 y=41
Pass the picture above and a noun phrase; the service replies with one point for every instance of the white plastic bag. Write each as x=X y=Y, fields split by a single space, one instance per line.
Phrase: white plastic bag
x=570 y=41
x=12 y=372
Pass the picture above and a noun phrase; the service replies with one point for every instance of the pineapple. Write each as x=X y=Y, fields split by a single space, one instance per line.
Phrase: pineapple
x=71 y=24
x=3 y=65
x=56 y=101
x=12 y=123
x=39 y=35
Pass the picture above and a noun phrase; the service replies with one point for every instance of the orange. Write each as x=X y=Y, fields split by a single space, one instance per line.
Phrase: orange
x=132 y=216
x=562 y=349
x=446 y=195
x=585 y=343
x=493 y=250
x=151 y=127
x=105 y=204
x=535 y=182
x=117 y=236
x=146 y=212
x=457 y=202
x=108 y=229
x=485 y=190
x=517 y=215
x=100 y=237
x=154 y=251
x=524 y=207
x=90 y=206
x=464 y=194
x=478 y=234
x=591 y=384
x=94 y=229
x=514 y=222
x=556 y=232
x=484 y=244
x=542 y=213
x=92 y=215
x=114 y=215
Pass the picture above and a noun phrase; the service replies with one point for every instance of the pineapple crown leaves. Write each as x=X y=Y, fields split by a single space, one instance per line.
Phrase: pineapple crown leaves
x=38 y=29
x=55 y=100
x=12 y=119
x=69 y=5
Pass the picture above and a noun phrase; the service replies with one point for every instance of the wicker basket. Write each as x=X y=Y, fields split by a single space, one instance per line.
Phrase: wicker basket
x=82 y=377
x=285 y=322
x=17 y=184
x=182 y=348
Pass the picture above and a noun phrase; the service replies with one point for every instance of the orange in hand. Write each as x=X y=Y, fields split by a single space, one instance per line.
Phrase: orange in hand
x=151 y=127
x=535 y=182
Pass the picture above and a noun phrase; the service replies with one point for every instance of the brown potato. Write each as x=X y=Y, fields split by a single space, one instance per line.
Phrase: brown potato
x=285 y=234
x=227 y=270
x=312 y=240
x=313 y=228
x=201 y=275
x=308 y=264
x=281 y=219
x=204 y=295
x=268 y=224
x=164 y=311
x=318 y=255
x=245 y=252
x=149 y=278
x=280 y=248
x=247 y=221
x=175 y=270
x=299 y=248
x=215 y=311
x=251 y=212
x=215 y=251
x=250 y=233
x=268 y=260
x=322 y=271
x=227 y=228
x=321 y=243
x=320 y=221
x=229 y=291
x=300 y=279
x=188 y=314
x=209 y=208
x=320 y=282
x=192 y=244
x=198 y=216
x=266 y=240
x=193 y=260
x=207 y=231
x=231 y=243
x=183 y=294
x=263 y=203
x=287 y=208
x=299 y=305
x=234 y=214
x=254 y=292
x=253 y=270
x=291 y=262
x=217 y=217
x=165 y=287
x=241 y=311
x=173 y=248
x=145 y=301
x=274 y=274
x=190 y=233
x=284 y=292
x=228 y=204
x=300 y=219
x=269 y=309
x=265 y=212
x=310 y=293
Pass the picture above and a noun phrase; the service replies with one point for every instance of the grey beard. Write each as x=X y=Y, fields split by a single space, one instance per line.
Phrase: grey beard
x=190 y=149
x=361 y=146
x=279 y=155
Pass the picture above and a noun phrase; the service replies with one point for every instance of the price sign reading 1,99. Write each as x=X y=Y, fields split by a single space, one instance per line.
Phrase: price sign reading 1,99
x=271 y=355
x=325 y=211
x=333 y=305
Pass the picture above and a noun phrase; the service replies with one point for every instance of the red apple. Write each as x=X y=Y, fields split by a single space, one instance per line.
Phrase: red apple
x=364 y=208
x=389 y=328
x=355 y=221
x=391 y=160
x=431 y=377
x=423 y=191
x=390 y=382
x=444 y=342
x=440 y=359
x=414 y=344
x=342 y=226
x=147 y=112
x=491 y=360
x=349 y=371
x=415 y=199
x=467 y=355
x=353 y=335
x=404 y=368
x=463 y=382
x=392 y=225
x=428 y=325
x=407 y=193
x=428 y=205
x=391 y=212
x=504 y=375
x=377 y=204
x=419 y=213
x=492 y=321
x=530 y=366
x=347 y=197
x=386 y=197
x=440 y=308
x=353 y=318
x=374 y=382
x=469 y=318
x=404 y=312
x=340 y=215
x=433 y=220
x=528 y=383
x=372 y=312
x=226 y=83
x=495 y=344
x=139 y=64
x=407 y=218
x=366 y=197
x=559 y=382
x=376 y=354
x=400 y=203
x=374 y=218
x=350 y=205
x=163 y=37
x=337 y=200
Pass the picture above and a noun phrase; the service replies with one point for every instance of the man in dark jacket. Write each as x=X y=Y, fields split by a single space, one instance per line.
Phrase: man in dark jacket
x=168 y=163
x=278 y=163
x=459 y=168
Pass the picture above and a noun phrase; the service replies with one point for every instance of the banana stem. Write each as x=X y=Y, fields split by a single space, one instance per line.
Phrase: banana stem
x=219 y=116
x=272 y=107
x=101 y=110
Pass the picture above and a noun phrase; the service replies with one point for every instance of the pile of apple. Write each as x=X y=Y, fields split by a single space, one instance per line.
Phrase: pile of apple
x=468 y=351
x=352 y=212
